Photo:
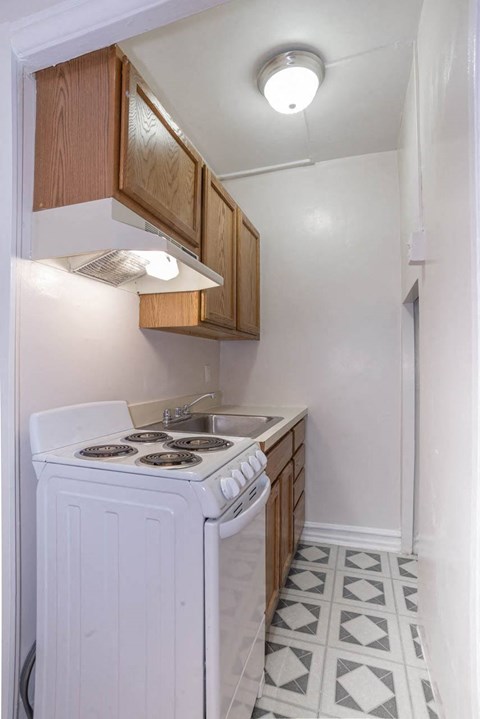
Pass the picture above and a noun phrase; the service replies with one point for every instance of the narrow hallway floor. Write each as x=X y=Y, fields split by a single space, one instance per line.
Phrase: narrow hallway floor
x=344 y=640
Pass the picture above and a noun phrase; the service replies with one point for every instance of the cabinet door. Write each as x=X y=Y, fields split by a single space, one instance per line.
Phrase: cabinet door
x=248 y=276
x=159 y=169
x=219 y=235
x=286 y=511
x=298 y=520
x=272 y=554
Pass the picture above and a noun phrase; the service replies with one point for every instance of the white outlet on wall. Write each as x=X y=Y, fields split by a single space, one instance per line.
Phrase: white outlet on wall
x=207 y=373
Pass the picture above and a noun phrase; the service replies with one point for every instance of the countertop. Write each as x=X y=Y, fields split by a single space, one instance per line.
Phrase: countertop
x=291 y=415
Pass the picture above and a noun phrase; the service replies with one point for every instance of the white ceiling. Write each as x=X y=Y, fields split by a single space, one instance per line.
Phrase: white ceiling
x=204 y=70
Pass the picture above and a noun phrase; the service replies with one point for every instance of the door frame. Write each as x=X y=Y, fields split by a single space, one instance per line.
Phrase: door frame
x=63 y=31
x=408 y=431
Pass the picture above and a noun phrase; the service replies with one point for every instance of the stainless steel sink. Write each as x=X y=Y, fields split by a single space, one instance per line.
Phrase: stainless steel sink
x=239 y=425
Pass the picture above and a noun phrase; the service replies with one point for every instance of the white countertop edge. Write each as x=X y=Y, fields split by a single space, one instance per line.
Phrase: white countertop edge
x=291 y=416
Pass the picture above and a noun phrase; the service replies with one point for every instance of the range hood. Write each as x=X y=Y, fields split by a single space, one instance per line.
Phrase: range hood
x=106 y=241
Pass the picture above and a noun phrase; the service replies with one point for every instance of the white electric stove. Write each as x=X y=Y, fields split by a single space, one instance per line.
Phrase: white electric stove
x=151 y=569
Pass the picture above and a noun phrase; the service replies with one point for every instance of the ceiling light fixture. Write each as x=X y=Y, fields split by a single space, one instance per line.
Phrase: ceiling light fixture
x=289 y=81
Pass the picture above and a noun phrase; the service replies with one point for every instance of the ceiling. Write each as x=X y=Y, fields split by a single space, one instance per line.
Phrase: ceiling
x=204 y=70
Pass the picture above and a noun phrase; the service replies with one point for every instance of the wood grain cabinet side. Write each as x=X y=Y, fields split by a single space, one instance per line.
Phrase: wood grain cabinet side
x=272 y=551
x=101 y=132
x=286 y=523
x=285 y=468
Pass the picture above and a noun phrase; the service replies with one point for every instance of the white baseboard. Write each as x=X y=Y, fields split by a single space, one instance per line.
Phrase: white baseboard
x=387 y=540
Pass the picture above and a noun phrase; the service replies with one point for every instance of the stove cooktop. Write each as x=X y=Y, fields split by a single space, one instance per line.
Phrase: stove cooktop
x=178 y=455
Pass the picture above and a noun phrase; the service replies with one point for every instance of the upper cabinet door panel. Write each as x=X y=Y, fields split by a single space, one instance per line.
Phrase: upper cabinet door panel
x=248 y=276
x=159 y=169
x=219 y=251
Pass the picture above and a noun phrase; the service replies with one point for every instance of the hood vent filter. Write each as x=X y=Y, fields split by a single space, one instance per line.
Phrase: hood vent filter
x=114 y=268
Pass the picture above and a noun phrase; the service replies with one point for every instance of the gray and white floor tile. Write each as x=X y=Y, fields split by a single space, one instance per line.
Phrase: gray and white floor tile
x=310 y=582
x=344 y=642
x=368 y=561
x=305 y=619
x=422 y=695
x=404 y=566
x=293 y=671
x=373 y=634
x=406 y=597
x=411 y=641
x=364 y=591
x=272 y=709
x=356 y=686
x=322 y=555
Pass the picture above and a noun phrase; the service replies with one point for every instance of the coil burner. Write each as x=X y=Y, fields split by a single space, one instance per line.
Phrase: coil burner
x=147 y=437
x=104 y=451
x=199 y=444
x=170 y=460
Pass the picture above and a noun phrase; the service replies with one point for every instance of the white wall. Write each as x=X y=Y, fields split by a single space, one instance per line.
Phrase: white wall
x=330 y=328
x=78 y=342
x=448 y=492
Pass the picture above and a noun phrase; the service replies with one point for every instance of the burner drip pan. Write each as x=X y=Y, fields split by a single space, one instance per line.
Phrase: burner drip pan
x=104 y=451
x=199 y=444
x=147 y=437
x=170 y=460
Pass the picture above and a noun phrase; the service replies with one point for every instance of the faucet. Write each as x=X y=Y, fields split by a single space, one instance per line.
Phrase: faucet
x=183 y=412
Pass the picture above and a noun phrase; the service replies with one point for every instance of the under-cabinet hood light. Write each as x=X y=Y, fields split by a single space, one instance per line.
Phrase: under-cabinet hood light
x=106 y=241
x=290 y=81
x=159 y=265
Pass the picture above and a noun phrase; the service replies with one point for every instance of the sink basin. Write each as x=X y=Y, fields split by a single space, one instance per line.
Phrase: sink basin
x=239 y=425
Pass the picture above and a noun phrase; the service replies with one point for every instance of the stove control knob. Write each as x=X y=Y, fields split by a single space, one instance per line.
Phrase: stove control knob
x=247 y=470
x=255 y=463
x=229 y=487
x=262 y=457
x=238 y=477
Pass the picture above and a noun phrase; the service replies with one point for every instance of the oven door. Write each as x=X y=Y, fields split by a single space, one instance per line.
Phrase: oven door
x=235 y=605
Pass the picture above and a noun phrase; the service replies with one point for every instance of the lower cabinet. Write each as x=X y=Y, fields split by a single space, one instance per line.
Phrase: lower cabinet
x=285 y=516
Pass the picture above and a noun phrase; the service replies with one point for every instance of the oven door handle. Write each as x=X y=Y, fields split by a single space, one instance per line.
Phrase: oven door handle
x=234 y=526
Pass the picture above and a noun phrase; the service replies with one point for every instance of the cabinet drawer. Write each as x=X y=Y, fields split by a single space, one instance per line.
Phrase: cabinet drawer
x=278 y=456
x=298 y=487
x=298 y=520
x=298 y=435
x=299 y=460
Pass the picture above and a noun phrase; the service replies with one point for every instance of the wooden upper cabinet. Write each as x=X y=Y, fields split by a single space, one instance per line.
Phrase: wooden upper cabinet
x=248 y=276
x=219 y=252
x=159 y=168
x=76 y=130
x=101 y=132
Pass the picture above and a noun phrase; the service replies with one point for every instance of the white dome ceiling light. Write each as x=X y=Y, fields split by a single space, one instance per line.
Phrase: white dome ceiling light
x=289 y=81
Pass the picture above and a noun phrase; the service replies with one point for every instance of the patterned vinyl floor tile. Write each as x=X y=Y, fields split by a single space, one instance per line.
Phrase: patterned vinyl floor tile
x=272 y=709
x=310 y=582
x=422 y=696
x=323 y=556
x=344 y=641
x=293 y=671
x=404 y=567
x=363 y=591
x=374 y=634
x=406 y=598
x=356 y=686
x=304 y=619
x=368 y=561
x=411 y=641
